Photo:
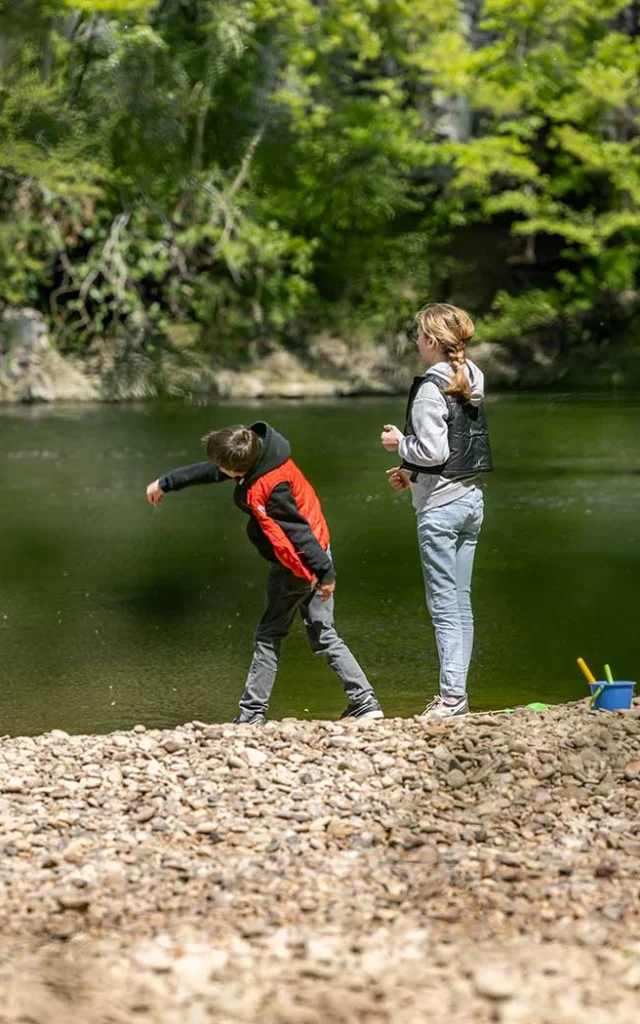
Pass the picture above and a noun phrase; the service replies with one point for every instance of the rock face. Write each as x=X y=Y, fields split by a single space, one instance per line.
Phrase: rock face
x=470 y=871
x=30 y=369
x=329 y=369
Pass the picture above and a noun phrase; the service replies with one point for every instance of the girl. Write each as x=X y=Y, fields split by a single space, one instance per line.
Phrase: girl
x=445 y=445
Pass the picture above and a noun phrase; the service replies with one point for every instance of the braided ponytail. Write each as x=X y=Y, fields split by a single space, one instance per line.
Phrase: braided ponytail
x=451 y=328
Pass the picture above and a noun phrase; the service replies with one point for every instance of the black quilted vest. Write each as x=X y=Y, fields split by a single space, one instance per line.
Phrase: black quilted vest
x=468 y=435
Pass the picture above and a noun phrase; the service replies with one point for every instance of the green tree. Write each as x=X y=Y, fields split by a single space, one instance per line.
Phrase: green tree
x=223 y=173
x=555 y=155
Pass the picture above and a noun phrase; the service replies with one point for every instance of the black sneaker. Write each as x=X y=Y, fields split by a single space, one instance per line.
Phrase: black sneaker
x=367 y=708
x=250 y=718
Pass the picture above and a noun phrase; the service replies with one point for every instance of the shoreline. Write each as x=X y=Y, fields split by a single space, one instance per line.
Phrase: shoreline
x=33 y=370
x=480 y=869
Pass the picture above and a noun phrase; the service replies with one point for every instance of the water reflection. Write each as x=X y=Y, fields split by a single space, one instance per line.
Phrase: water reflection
x=112 y=612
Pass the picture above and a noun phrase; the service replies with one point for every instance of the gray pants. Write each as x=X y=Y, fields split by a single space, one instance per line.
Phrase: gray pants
x=286 y=596
x=448 y=537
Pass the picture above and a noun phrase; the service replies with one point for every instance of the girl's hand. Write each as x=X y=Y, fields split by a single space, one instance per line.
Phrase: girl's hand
x=398 y=478
x=155 y=494
x=391 y=437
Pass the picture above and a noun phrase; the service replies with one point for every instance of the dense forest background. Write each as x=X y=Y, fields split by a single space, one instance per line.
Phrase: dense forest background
x=220 y=175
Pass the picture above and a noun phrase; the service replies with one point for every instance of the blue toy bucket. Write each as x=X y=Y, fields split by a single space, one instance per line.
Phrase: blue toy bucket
x=612 y=696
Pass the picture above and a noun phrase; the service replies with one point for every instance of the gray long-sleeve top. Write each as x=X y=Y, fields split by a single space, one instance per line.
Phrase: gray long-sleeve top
x=429 y=445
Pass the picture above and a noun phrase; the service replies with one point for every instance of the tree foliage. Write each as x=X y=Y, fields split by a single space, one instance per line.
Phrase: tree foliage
x=222 y=173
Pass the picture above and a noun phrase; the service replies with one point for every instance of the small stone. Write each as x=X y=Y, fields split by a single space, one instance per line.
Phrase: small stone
x=236 y=762
x=612 y=913
x=631 y=770
x=154 y=959
x=342 y=741
x=494 y=982
x=455 y=778
x=339 y=829
x=73 y=899
x=605 y=869
x=14 y=785
x=173 y=745
x=252 y=927
x=384 y=761
x=49 y=861
x=145 y=813
x=76 y=851
x=255 y=757
x=209 y=829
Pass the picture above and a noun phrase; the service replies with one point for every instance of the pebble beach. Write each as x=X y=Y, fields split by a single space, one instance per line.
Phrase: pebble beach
x=476 y=870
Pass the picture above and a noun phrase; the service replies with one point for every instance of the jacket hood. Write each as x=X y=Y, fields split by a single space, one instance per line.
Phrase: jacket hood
x=474 y=373
x=275 y=450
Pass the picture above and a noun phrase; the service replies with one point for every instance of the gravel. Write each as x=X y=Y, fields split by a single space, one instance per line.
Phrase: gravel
x=477 y=870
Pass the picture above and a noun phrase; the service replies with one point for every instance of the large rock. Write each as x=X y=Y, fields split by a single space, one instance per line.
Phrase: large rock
x=30 y=368
x=329 y=368
x=280 y=374
x=497 y=364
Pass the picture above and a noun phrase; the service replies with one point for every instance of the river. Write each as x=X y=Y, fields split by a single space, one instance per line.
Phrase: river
x=114 y=613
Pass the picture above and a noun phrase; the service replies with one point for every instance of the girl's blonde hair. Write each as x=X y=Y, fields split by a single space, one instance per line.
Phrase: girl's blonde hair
x=450 y=328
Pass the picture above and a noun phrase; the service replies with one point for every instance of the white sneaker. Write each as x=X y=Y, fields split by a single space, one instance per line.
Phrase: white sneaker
x=438 y=709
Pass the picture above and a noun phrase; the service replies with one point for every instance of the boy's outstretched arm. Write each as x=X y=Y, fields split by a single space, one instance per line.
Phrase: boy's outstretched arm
x=198 y=473
x=282 y=508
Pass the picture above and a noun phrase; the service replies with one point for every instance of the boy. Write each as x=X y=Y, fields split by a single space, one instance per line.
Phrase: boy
x=288 y=528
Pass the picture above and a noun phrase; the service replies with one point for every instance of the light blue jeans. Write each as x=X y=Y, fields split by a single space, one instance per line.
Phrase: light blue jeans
x=448 y=537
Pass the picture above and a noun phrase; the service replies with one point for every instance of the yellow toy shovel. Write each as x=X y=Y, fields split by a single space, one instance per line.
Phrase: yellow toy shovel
x=586 y=671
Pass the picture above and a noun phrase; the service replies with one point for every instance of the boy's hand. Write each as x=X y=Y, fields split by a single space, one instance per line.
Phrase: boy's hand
x=326 y=589
x=391 y=437
x=398 y=478
x=155 y=494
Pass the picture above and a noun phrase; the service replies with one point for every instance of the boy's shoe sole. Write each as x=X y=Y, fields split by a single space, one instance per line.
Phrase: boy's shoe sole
x=252 y=720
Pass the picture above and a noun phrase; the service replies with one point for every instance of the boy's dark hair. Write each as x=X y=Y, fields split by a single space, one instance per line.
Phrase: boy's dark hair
x=235 y=448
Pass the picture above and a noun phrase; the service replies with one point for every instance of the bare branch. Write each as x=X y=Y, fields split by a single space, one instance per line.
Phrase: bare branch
x=246 y=164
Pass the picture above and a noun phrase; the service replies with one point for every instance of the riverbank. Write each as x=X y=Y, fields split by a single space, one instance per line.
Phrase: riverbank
x=310 y=872
x=33 y=370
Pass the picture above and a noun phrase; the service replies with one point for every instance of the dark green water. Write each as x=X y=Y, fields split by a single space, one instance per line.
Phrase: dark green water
x=114 y=613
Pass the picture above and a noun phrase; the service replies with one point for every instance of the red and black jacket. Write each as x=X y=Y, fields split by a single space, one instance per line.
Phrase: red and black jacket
x=286 y=523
